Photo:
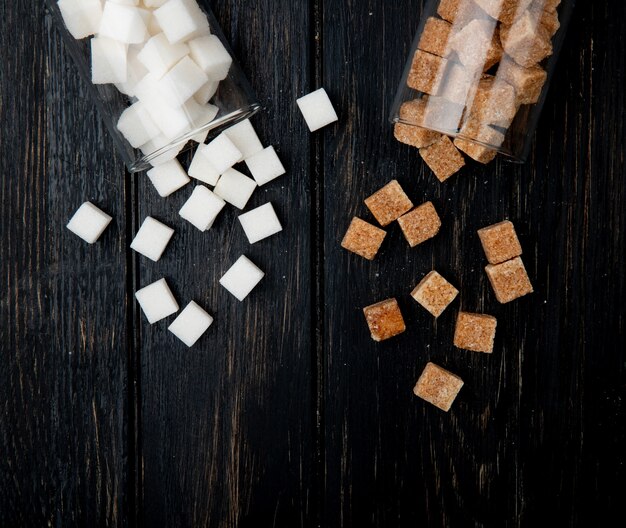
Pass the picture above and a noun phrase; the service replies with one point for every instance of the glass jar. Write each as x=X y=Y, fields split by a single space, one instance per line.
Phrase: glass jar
x=479 y=72
x=214 y=109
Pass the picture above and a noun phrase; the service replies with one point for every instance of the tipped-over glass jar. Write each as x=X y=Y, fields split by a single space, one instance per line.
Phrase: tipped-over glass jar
x=161 y=73
x=478 y=72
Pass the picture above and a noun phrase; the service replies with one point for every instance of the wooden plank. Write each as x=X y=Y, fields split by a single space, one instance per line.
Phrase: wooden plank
x=227 y=427
x=63 y=342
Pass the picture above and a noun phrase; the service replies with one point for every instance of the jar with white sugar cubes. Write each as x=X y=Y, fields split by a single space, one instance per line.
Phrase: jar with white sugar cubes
x=478 y=73
x=161 y=72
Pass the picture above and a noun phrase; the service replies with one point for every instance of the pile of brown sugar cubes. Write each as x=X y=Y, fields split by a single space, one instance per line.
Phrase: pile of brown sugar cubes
x=477 y=65
x=474 y=332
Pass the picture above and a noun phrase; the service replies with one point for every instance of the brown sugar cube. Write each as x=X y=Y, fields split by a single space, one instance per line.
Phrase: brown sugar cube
x=389 y=203
x=548 y=18
x=438 y=386
x=477 y=45
x=528 y=82
x=442 y=114
x=460 y=12
x=435 y=37
x=443 y=158
x=363 y=238
x=434 y=293
x=495 y=102
x=504 y=10
x=421 y=224
x=475 y=332
x=509 y=280
x=426 y=73
x=458 y=88
x=384 y=319
x=500 y=242
x=476 y=151
x=527 y=42
x=489 y=140
x=411 y=130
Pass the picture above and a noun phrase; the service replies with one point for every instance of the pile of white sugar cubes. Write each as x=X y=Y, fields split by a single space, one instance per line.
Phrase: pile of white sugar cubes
x=162 y=54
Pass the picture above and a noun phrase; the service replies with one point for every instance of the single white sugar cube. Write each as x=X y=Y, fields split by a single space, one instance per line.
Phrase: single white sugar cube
x=181 y=19
x=182 y=82
x=166 y=149
x=201 y=167
x=168 y=177
x=265 y=166
x=260 y=223
x=235 y=188
x=137 y=126
x=152 y=239
x=202 y=208
x=135 y=72
x=222 y=153
x=245 y=138
x=207 y=115
x=242 y=278
x=191 y=324
x=317 y=110
x=82 y=17
x=89 y=222
x=123 y=23
x=108 y=61
x=174 y=122
x=158 y=55
x=209 y=53
x=157 y=301
x=206 y=92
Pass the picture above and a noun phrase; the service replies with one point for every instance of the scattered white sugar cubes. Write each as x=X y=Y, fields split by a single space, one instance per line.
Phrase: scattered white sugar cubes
x=260 y=223
x=82 y=17
x=235 y=188
x=89 y=222
x=202 y=208
x=181 y=82
x=137 y=126
x=245 y=138
x=317 y=110
x=242 y=278
x=124 y=23
x=201 y=168
x=191 y=324
x=158 y=55
x=265 y=166
x=108 y=61
x=152 y=239
x=211 y=55
x=157 y=301
x=180 y=19
x=168 y=177
x=222 y=153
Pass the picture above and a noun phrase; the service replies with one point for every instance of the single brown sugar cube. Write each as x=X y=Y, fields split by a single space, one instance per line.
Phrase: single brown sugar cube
x=504 y=10
x=475 y=332
x=457 y=87
x=509 y=280
x=476 y=151
x=495 y=102
x=547 y=18
x=460 y=12
x=442 y=114
x=389 y=203
x=426 y=73
x=477 y=45
x=489 y=140
x=363 y=238
x=443 y=158
x=438 y=386
x=421 y=224
x=411 y=129
x=527 y=41
x=528 y=82
x=500 y=242
x=384 y=319
x=435 y=37
x=434 y=293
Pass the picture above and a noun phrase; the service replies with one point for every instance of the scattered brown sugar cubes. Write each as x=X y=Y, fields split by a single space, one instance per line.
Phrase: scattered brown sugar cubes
x=495 y=102
x=384 y=319
x=363 y=238
x=526 y=41
x=389 y=203
x=434 y=293
x=509 y=280
x=427 y=72
x=477 y=45
x=443 y=158
x=504 y=10
x=421 y=224
x=500 y=242
x=528 y=82
x=475 y=332
x=435 y=37
x=438 y=386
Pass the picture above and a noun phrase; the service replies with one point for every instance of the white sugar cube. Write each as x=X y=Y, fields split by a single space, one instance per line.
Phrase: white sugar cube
x=135 y=72
x=265 y=166
x=222 y=153
x=174 y=122
x=123 y=23
x=242 y=278
x=191 y=324
x=181 y=19
x=137 y=126
x=245 y=138
x=202 y=169
x=260 y=223
x=209 y=53
x=89 y=222
x=152 y=239
x=168 y=177
x=207 y=115
x=158 y=55
x=206 y=92
x=179 y=84
x=108 y=61
x=202 y=208
x=157 y=301
x=167 y=150
x=317 y=110
x=82 y=17
x=235 y=188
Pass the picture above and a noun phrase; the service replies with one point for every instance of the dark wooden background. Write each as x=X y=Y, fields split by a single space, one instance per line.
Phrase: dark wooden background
x=286 y=414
